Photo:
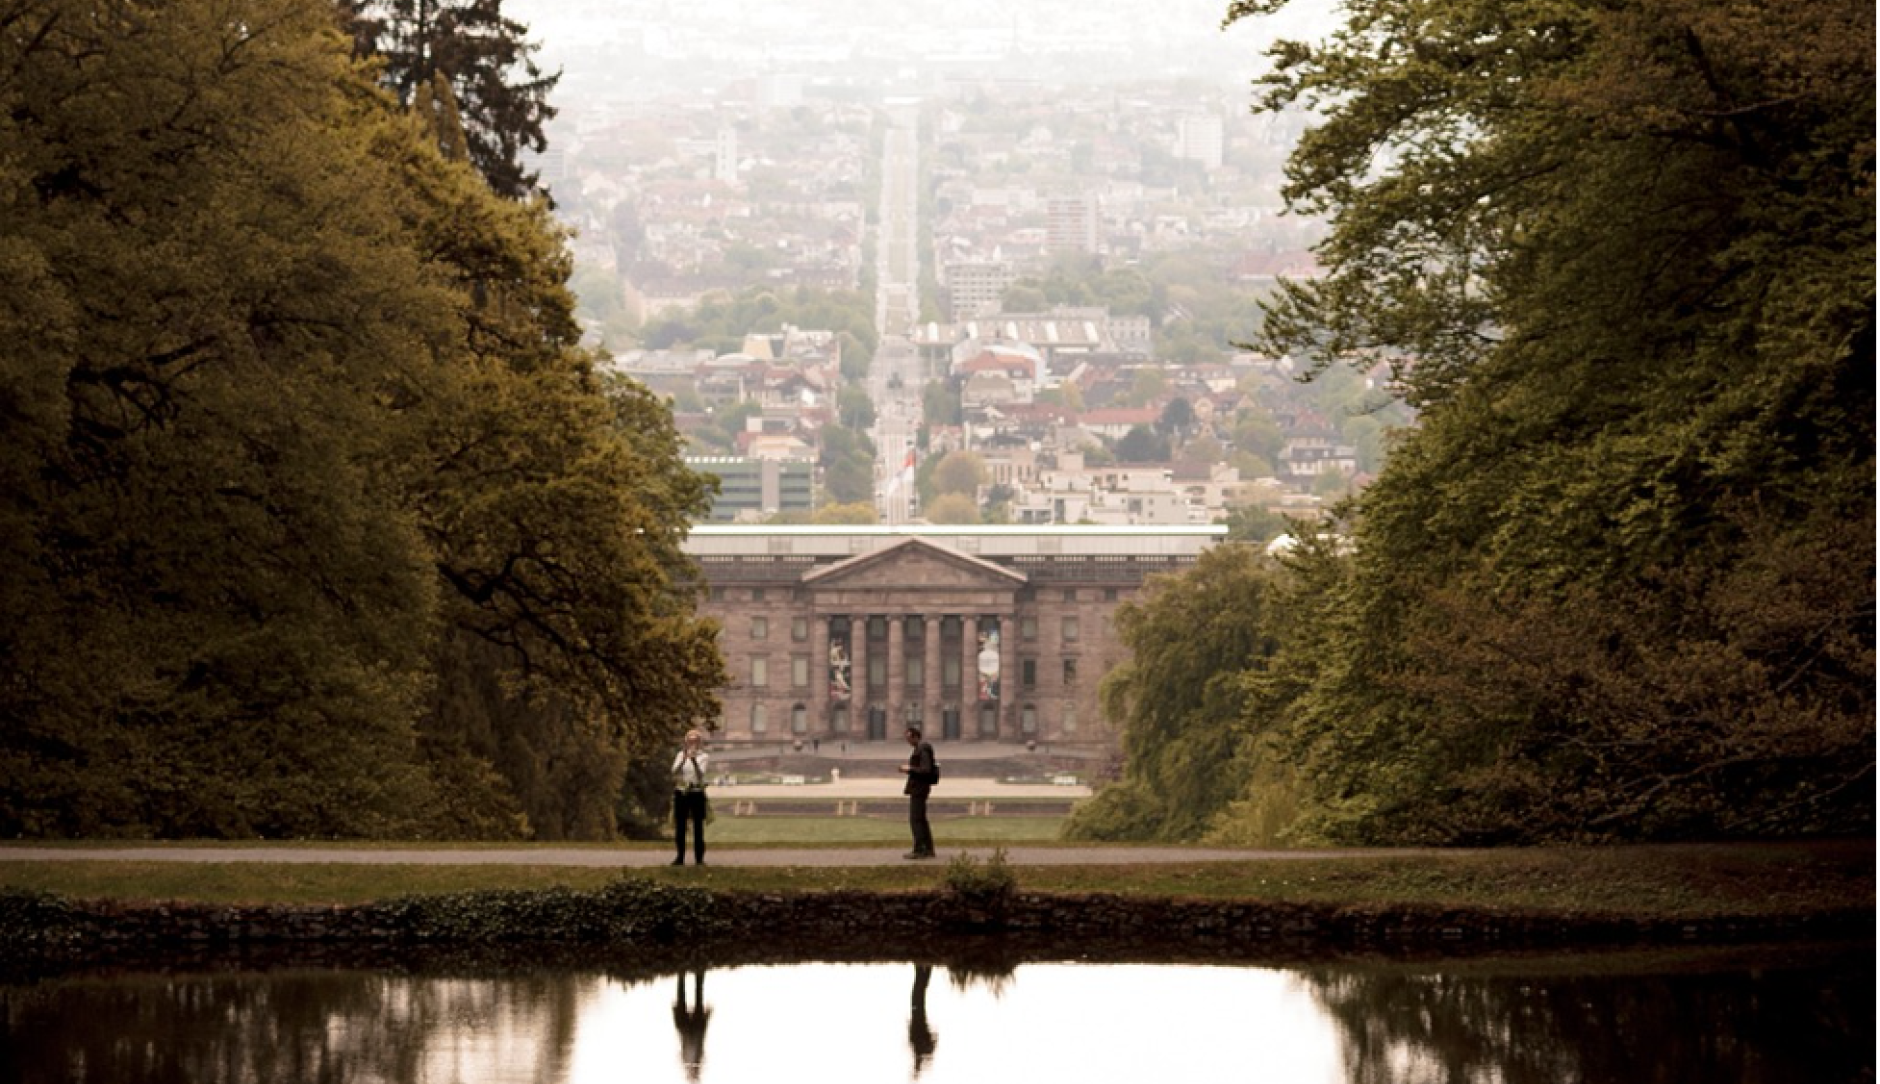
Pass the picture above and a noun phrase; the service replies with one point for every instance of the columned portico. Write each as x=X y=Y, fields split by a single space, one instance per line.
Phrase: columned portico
x=819 y=682
x=1008 y=674
x=930 y=689
x=858 y=676
x=890 y=621
x=897 y=672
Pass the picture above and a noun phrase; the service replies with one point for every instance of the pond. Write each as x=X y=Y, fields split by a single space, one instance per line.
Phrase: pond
x=1743 y=1015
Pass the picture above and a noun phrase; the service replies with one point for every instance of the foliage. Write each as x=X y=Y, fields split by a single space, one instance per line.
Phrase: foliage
x=951 y=508
x=848 y=465
x=959 y=472
x=722 y=320
x=1142 y=445
x=940 y=403
x=34 y=923
x=985 y=888
x=1177 y=420
x=627 y=909
x=854 y=409
x=1256 y=525
x=1614 y=585
x=1179 y=700
x=486 y=65
x=860 y=512
x=216 y=606
x=1084 y=281
x=317 y=524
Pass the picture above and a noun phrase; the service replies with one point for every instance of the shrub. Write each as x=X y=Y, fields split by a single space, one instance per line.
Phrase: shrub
x=981 y=888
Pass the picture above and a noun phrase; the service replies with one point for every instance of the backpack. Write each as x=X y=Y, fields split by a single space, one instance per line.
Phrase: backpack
x=934 y=775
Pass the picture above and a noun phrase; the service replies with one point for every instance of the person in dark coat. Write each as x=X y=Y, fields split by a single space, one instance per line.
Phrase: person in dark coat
x=919 y=770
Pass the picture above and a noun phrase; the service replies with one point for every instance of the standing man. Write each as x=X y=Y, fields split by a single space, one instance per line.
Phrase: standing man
x=688 y=795
x=919 y=770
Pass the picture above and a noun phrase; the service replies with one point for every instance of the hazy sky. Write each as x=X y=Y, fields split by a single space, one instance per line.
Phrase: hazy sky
x=1127 y=38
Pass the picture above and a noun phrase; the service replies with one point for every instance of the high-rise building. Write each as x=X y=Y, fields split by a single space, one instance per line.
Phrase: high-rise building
x=1198 y=138
x=751 y=487
x=1070 y=224
x=977 y=288
x=725 y=156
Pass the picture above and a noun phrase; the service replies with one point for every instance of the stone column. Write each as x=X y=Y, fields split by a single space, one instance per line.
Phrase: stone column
x=1008 y=677
x=930 y=690
x=969 y=678
x=858 y=677
x=897 y=671
x=819 y=673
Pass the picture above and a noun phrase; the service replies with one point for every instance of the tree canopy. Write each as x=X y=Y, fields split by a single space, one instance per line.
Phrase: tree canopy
x=1180 y=697
x=467 y=59
x=317 y=522
x=1619 y=580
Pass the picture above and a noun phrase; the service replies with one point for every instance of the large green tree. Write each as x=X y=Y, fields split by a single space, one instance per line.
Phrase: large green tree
x=1620 y=255
x=217 y=608
x=483 y=59
x=1179 y=700
x=316 y=522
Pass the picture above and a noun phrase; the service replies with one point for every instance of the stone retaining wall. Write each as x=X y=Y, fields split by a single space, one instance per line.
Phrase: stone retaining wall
x=52 y=927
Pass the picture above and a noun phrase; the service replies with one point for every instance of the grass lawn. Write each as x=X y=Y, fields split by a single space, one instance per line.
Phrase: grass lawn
x=1690 y=881
x=808 y=831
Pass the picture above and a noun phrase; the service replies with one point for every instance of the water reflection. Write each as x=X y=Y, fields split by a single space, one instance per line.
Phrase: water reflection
x=690 y=1023
x=920 y=1036
x=1584 y=1020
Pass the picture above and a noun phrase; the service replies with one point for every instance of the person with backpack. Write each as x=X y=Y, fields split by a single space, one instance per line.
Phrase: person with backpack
x=922 y=773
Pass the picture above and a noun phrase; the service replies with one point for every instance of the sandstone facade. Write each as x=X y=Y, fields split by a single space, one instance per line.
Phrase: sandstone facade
x=982 y=634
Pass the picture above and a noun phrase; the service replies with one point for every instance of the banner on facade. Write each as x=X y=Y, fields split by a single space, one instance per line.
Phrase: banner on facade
x=988 y=662
x=840 y=688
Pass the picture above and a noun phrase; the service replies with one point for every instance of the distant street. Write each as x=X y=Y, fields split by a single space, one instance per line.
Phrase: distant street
x=894 y=379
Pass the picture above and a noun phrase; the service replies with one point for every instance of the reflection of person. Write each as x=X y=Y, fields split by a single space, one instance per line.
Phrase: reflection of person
x=919 y=772
x=690 y=1023
x=920 y=1037
x=688 y=796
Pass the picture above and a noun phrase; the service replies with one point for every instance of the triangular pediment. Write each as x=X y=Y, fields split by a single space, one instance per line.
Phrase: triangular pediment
x=915 y=563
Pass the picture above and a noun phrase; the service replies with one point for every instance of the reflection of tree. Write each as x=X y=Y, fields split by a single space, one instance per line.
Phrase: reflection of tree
x=690 y=1023
x=920 y=1038
x=1760 y=1026
x=237 y=1029
x=992 y=972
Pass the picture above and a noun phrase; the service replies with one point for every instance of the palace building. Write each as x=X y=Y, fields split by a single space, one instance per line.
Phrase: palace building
x=994 y=634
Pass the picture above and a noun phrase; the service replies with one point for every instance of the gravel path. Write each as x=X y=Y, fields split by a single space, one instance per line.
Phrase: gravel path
x=657 y=855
